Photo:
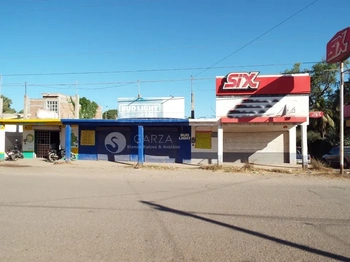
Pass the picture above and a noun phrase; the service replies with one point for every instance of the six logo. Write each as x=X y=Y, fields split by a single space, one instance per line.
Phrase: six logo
x=337 y=46
x=115 y=142
x=241 y=81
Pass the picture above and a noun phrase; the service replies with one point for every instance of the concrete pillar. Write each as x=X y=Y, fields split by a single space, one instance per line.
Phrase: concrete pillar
x=292 y=145
x=220 y=145
x=140 y=156
x=68 y=142
x=2 y=142
x=304 y=145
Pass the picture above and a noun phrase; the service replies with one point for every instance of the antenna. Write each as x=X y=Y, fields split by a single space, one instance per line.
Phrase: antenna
x=138 y=89
x=192 y=99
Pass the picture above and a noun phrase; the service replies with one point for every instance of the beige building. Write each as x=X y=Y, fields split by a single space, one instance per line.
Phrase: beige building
x=54 y=105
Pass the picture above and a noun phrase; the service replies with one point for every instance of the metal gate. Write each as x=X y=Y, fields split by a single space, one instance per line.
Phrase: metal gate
x=42 y=143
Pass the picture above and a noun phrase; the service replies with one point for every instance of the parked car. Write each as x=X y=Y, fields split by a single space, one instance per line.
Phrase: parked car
x=332 y=158
x=300 y=157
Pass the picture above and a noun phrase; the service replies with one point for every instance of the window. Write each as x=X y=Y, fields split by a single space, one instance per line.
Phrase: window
x=87 y=137
x=52 y=106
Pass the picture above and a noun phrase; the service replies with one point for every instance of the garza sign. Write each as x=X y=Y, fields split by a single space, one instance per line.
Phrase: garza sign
x=338 y=48
x=241 y=81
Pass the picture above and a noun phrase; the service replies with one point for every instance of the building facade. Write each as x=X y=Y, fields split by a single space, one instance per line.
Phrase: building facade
x=256 y=119
x=55 y=105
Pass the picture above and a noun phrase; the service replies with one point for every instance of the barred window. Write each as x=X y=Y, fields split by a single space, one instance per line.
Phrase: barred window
x=52 y=106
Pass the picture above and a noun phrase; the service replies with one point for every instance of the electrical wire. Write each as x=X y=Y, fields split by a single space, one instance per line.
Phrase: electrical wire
x=257 y=38
x=151 y=70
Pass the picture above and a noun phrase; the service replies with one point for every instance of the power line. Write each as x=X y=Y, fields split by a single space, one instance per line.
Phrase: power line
x=151 y=70
x=255 y=39
x=125 y=83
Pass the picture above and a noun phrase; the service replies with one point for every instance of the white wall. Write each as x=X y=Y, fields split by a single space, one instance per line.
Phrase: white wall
x=266 y=144
x=289 y=105
x=151 y=107
x=174 y=108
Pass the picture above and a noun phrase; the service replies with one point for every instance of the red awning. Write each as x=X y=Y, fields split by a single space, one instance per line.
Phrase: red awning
x=264 y=120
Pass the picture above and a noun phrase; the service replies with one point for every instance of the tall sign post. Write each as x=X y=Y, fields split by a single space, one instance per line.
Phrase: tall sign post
x=337 y=51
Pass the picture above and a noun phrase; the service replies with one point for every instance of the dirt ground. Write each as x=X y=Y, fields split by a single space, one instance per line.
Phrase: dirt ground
x=81 y=166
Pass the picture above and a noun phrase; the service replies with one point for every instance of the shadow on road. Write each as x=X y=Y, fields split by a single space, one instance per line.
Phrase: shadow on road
x=250 y=232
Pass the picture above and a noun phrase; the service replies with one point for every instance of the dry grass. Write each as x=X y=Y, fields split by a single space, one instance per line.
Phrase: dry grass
x=317 y=168
x=248 y=166
x=214 y=167
x=156 y=167
x=319 y=165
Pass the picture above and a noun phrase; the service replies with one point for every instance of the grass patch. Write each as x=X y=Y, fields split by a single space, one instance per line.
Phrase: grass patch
x=156 y=167
x=212 y=167
x=319 y=165
x=248 y=166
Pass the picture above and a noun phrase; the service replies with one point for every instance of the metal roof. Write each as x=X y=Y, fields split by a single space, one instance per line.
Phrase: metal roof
x=127 y=121
x=30 y=121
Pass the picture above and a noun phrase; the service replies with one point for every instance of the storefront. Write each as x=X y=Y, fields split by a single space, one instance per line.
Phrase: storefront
x=35 y=136
x=259 y=115
x=256 y=120
x=151 y=140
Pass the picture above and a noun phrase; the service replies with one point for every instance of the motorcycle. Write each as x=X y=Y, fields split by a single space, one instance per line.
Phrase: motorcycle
x=53 y=155
x=14 y=154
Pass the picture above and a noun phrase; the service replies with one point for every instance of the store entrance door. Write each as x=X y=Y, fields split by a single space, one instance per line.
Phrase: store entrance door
x=46 y=140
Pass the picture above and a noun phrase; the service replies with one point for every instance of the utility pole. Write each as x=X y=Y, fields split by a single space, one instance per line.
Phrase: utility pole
x=77 y=104
x=1 y=99
x=192 y=99
x=25 y=109
x=341 y=135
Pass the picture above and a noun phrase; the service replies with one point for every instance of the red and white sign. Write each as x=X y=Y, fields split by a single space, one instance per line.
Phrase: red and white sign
x=241 y=81
x=254 y=84
x=316 y=114
x=338 y=48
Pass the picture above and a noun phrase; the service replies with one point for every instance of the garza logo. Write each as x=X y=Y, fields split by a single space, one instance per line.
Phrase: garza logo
x=337 y=46
x=241 y=81
x=115 y=142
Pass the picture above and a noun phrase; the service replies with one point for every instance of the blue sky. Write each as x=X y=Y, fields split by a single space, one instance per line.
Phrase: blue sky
x=160 y=43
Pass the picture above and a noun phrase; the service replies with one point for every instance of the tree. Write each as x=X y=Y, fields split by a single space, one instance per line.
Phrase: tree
x=323 y=84
x=110 y=114
x=295 y=70
x=7 y=102
x=87 y=108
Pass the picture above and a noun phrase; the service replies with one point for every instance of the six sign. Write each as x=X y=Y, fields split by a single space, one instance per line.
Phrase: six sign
x=338 y=48
x=241 y=81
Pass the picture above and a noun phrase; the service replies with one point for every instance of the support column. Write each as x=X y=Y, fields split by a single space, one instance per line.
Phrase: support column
x=220 y=145
x=140 y=158
x=292 y=145
x=68 y=142
x=2 y=142
x=304 y=145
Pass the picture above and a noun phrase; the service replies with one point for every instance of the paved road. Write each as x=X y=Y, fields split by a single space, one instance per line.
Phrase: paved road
x=100 y=211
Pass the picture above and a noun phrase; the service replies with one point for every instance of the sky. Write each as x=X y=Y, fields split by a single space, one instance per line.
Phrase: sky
x=105 y=49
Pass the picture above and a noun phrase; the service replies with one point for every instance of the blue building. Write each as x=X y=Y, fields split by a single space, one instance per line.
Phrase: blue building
x=150 y=140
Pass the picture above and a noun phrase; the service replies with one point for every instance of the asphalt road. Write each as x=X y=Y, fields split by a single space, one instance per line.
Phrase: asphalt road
x=104 y=212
